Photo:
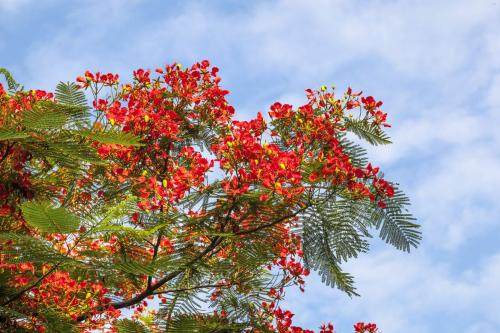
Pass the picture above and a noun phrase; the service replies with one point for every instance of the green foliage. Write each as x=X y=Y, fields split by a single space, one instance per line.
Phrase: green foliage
x=135 y=268
x=58 y=323
x=113 y=137
x=43 y=117
x=397 y=226
x=6 y=134
x=204 y=324
x=356 y=152
x=11 y=83
x=367 y=131
x=71 y=100
x=331 y=235
x=69 y=94
x=131 y=326
x=30 y=249
x=46 y=218
x=338 y=230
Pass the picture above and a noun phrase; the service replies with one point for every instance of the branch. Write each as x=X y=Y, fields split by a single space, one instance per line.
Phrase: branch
x=155 y=254
x=150 y=289
x=158 y=284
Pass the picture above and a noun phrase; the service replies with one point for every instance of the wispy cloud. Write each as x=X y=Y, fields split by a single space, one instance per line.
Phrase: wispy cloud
x=416 y=295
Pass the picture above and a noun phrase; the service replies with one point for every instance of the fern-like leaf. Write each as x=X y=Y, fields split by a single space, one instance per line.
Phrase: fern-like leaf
x=41 y=117
x=72 y=101
x=11 y=83
x=135 y=268
x=323 y=254
x=69 y=93
x=6 y=134
x=46 y=218
x=130 y=326
x=119 y=138
x=397 y=226
x=367 y=131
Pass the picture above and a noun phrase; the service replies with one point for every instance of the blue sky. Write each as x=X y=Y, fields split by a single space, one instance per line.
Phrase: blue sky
x=434 y=63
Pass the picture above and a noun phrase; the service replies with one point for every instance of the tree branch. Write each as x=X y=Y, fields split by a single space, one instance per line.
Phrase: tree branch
x=158 y=284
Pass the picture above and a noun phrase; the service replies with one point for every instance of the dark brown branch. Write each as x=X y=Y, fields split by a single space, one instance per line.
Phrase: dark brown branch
x=158 y=284
x=155 y=254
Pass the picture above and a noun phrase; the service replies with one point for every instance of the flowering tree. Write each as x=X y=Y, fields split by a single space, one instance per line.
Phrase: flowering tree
x=155 y=199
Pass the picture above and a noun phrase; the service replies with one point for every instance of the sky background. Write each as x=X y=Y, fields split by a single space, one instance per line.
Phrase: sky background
x=434 y=63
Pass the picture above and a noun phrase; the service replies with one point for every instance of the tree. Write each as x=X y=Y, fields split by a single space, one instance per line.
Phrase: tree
x=154 y=194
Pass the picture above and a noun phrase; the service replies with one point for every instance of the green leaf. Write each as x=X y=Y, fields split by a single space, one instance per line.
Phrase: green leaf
x=11 y=135
x=356 y=153
x=41 y=117
x=122 y=209
x=11 y=83
x=46 y=218
x=28 y=248
x=69 y=93
x=367 y=131
x=397 y=226
x=135 y=268
x=130 y=326
x=326 y=242
x=71 y=100
x=113 y=137
x=58 y=321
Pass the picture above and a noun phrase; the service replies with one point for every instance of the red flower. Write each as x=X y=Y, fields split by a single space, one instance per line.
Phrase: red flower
x=5 y=210
x=279 y=111
x=365 y=328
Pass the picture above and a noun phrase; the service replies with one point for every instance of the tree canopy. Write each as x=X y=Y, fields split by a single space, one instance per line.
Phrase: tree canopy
x=152 y=197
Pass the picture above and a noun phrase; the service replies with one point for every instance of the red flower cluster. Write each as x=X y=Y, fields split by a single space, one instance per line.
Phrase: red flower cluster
x=327 y=328
x=60 y=292
x=365 y=328
x=162 y=110
x=251 y=162
x=284 y=322
x=373 y=109
x=313 y=133
x=97 y=78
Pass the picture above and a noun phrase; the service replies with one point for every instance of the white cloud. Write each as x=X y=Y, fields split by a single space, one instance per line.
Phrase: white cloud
x=407 y=294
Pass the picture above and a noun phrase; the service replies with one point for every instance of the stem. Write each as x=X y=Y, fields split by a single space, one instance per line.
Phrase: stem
x=155 y=254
